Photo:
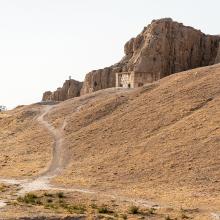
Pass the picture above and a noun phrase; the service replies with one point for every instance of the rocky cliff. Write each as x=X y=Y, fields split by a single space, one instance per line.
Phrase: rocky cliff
x=99 y=79
x=167 y=47
x=217 y=60
x=163 y=47
x=71 y=88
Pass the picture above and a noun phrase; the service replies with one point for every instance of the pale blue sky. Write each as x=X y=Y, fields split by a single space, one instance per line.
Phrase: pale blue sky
x=42 y=42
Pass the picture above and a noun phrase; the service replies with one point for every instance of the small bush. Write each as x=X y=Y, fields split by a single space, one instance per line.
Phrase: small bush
x=49 y=200
x=60 y=195
x=168 y=218
x=124 y=216
x=133 y=210
x=151 y=211
x=78 y=209
x=94 y=206
x=48 y=194
x=29 y=198
x=50 y=206
x=183 y=216
x=104 y=210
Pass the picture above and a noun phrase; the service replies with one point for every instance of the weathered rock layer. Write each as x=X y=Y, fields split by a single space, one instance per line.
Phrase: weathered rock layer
x=217 y=60
x=98 y=79
x=164 y=47
x=71 y=88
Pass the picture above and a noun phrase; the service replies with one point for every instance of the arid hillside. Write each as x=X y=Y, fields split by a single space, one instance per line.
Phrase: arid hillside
x=25 y=145
x=159 y=143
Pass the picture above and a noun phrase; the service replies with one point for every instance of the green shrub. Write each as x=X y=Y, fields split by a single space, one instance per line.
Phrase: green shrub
x=48 y=194
x=104 y=210
x=151 y=211
x=60 y=195
x=49 y=200
x=50 y=206
x=133 y=210
x=29 y=198
x=124 y=216
x=168 y=218
x=93 y=206
x=183 y=216
x=78 y=209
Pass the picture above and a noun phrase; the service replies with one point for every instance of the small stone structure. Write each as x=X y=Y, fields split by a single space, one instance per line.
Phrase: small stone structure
x=135 y=79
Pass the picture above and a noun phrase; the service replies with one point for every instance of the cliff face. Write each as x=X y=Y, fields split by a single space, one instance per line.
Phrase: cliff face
x=164 y=47
x=71 y=88
x=167 y=47
x=98 y=79
x=217 y=60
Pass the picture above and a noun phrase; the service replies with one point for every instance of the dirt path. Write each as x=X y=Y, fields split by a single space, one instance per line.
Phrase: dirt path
x=42 y=182
x=57 y=163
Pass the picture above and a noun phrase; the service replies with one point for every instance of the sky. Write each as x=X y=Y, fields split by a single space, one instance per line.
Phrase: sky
x=43 y=42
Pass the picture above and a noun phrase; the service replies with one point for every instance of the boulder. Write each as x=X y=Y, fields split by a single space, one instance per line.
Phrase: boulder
x=47 y=96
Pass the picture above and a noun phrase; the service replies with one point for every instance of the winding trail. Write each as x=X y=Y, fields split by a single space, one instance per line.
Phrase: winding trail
x=42 y=181
x=57 y=164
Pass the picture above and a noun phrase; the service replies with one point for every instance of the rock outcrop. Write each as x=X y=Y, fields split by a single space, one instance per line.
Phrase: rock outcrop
x=71 y=88
x=164 y=47
x=167 y=47
x=217 y=60
x=98 y=79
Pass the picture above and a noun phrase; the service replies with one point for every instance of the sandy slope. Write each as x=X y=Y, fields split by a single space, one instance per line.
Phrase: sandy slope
x=160 y=142
x=24 y=144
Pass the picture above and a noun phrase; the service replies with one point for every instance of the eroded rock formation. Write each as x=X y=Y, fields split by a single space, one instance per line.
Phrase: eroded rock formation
x=164 y=47
x=98 y=79
x=71 y=88
x=217 y=60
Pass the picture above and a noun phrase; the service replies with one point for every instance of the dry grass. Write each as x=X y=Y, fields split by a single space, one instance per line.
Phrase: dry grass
x=160 y=142
x=25 y=146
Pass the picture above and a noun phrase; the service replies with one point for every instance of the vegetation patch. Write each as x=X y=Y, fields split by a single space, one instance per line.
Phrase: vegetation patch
x=30 y=198
x=133 y=210
x=104 y=210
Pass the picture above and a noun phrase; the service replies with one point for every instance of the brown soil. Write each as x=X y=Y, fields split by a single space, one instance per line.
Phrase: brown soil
x=160 y=142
